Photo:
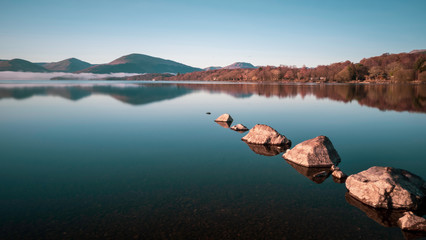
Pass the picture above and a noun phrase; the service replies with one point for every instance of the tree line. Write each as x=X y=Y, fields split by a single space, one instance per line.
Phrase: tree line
x=400 y=67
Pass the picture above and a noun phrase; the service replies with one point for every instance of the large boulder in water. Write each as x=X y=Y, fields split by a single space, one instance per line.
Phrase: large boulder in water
x=265 y=135
x=316 y=152
x=224 y=118
x=386 y=187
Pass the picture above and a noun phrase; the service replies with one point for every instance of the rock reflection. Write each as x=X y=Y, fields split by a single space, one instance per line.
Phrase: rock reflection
x=266 y=150
x=224 y=124
x=385 y=217
x=317 y=175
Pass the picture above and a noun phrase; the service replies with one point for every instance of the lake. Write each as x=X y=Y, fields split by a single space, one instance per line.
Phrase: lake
x=143 y=160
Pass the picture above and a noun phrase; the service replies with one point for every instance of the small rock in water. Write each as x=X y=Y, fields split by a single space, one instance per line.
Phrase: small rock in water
x=337 y=173
x=224 y=118
x=208 y=113
x=316 y=152
x=265 y=135
x=386 y=187
x=411 y=222
x=239 y=127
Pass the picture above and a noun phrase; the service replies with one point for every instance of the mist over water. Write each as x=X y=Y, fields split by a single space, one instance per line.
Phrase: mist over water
x=10 y=75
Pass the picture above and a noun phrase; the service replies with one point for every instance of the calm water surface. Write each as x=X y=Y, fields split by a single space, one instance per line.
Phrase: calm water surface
x=143 y=160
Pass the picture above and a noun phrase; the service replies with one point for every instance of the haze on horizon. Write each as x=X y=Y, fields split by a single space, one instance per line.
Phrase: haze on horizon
x=213 y=33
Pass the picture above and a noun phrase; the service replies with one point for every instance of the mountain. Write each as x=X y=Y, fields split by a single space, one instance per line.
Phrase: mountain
x=212 y=68
x=21 y=66
x=67 y=65
x=140 y=63
x=238 y=65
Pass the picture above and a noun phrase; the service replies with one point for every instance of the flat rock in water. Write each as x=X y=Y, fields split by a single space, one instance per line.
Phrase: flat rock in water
x=411 y=222
x=316 y=152
x=239 y=127
x=265 y=135
x=386 y=187
x=224 y=118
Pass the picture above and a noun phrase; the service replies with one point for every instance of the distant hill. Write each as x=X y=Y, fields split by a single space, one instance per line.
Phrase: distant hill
x=418 y=51
x=67 y=65
x=238 y=65
x=140 y=63
x=212 y=68
x=20 y=65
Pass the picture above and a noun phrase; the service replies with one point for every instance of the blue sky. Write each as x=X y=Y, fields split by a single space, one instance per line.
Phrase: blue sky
x=211 y=33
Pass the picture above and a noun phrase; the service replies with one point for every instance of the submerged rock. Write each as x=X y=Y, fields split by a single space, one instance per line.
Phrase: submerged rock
x=411 y=222
x=316 y=152
x=386 y=187
x=265 y=135
x=239 y=127
x=266 y=150
x=224 y=118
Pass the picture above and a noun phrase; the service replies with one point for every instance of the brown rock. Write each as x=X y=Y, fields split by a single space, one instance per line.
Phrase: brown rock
x=411 y=222
x=386 y=187
x=224 y=118
x=265 y=135
x=337 y=173
x=316 y=152
x=239 y=127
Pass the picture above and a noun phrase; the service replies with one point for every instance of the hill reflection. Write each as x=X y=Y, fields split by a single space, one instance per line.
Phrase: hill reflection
x=396 y=97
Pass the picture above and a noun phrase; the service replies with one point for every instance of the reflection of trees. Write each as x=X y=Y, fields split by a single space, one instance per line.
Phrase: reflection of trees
x=398 y=97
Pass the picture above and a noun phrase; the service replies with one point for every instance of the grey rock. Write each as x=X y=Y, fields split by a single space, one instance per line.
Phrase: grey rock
x=316 y=152
x=265 y=135
x=411 y=222
x=386 y=187
x=224 y=118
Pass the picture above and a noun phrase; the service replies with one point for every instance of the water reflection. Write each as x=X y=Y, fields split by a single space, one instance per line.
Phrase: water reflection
x=266 y=150
x=385 y=217
x=134 y=94
x=224 y=124
x=397 y=97
x=317 y=175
